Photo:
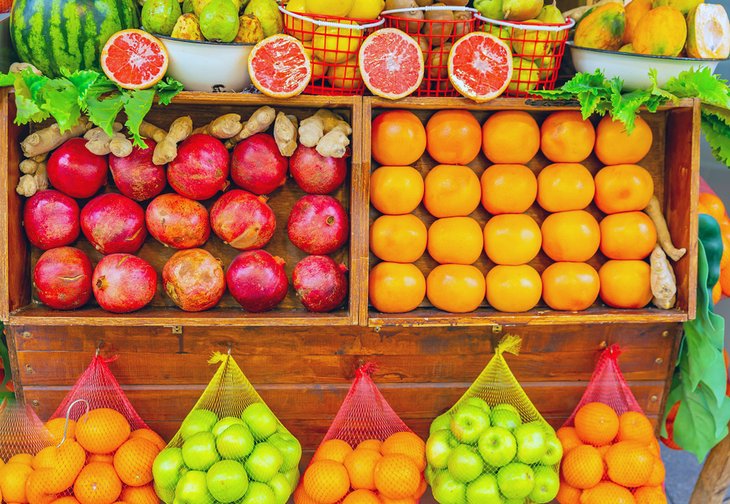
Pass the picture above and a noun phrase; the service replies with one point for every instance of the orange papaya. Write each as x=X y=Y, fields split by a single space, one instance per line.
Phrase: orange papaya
x=661 y=31
x=602 y=27
x=635 y=10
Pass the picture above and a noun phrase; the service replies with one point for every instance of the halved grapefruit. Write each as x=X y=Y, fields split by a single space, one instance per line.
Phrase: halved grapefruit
x=480 y=66
x=134 y=59
x=279 y=66
x=391 y=63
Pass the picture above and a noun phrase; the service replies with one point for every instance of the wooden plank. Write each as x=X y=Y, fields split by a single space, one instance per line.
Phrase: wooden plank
x=714 y=478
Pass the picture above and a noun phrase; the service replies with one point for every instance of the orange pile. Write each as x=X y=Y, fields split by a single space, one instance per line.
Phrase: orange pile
x=712 y=205
x=375 y=472
x=610 y=458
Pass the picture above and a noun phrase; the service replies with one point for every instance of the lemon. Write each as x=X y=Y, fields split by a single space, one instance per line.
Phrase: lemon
x=335 y=45
x=303 y=30
x=346 y=76
x=366 y=9
x=330 y=7
x=319 y=69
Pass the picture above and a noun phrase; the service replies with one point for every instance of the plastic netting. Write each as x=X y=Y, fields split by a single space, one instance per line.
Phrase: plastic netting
x=21 y=431
x=493 y=444
x=230 y=447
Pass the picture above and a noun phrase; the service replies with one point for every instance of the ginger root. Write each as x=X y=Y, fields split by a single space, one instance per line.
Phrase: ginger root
x=31 y=183
x=334 y=144
x=654 y=211
x=223 y=127
x=47 y=139
x=148 y=130
x=29 y=166
x=327 y=131
x=663 y=281
x=166 y=149
x=19 y=67
x=99 y=143
x=285 y=133
x=259 y=122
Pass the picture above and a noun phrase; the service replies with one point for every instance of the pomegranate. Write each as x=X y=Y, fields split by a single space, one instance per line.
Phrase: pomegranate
x=51 y=219
x=243 y=220
x=136 y=176
x=257 y=165
x=318 y=224
x=75 y=171
x=320 y=283
x=201 y=167
x=194 y=280
x=257 y=280
x=124 y=283
x=62 y=277
x=113 y=224
x=315 y=173
x=177 y=222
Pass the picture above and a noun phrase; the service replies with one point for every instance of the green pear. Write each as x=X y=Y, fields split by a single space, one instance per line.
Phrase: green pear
x=160 y=16
x=268 y=13
x=187 y=28
x=525 y=75
x=198 y=6
x=491 y=9
x=187 y=7
x=250 y=30
x=550 y=14
x=521 y=10
x=219 y=21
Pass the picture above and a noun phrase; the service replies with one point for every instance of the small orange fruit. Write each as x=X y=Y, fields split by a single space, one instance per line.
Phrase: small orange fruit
x=335 y=450
x=301 y=497
x=629 y=463
x=404 y=500
x=606 y=492
x=570 y=286
x=360 y=465
x=565 y=137
x=510 y=136
x=361 y=497
x=508 y=188
x=326 y=481
x=397 y=476
x=625 y=284
x=66 y=500
x=149 y=435
x=398 y=238
x=12 y=483
x=56 y=427
x=658 y=473
x=716 y=293
x=47 y=457
x=627 y=235
x=455 y=288
x=139 y=495
x=21 y=458
x=634 y=426
x=408 y=444
x=567 y=494
x=596 y=424
x=451 y=191
x=654 y=448
x=102 y=430
x=455 y=240
x=725 y=259
x=570 y=236
x=512 y=239
x=107 y=458
x=513 y=288
x=97 y=483
x=623 y=188
x=370 y=444
x=396 y=288
x=582 y=467
x=398 y=138
x=650 y=495
x=396 y=190
x=453 y=137
x=614 y=145
x=133 y=461
x=713 y=206
x=562 y=187
x=568 y=438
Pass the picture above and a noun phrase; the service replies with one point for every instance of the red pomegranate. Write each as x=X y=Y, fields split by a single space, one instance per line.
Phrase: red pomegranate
x=257 y=165
x=124 y=283
x=320 y=283
x=243 y=220
x=194 y=280
x=200 y=169
x=136 y=176
x=75 y=171
x=51 y=219
x=113 y=224
x=315 y=173
x=257 y=280
x=177 y=221
x=318 y=224
x=62 y=277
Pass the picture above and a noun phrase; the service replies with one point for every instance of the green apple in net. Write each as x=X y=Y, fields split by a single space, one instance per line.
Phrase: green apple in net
x=199 y=451
x=554 y=453
x=446 y=490
x=438 y=448
x=227 y=481
x=516 y=480
x=289 y=448
x=468 y=423
x=168 y=467
x=259 y=493
x=260 y=420
x=200 y=420
x=193 y=489
x=483 y=490
x=166 y=495
x=264 y=462
x=235 y=443
x=292 y=477
x=479 y=403
x=505 y=418
x=547 y=484
x=465 y=464
x=497 y=446
x=505 y=406
x=224 y=423
x=441 y=422
x=531 y=445
x=281 y=488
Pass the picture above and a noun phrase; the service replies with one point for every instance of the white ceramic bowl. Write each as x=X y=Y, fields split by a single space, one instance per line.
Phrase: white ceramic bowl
x=208 y=66
x=634 y=68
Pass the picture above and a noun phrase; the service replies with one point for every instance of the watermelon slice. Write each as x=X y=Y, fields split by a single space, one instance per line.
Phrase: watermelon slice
x=480 y=66
x=134 y=59
x=279 y=66
x=391 y=63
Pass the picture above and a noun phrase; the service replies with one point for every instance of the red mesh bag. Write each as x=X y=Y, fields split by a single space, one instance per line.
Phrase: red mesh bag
x=368 y=453
x=611 y=451
x=21 y=432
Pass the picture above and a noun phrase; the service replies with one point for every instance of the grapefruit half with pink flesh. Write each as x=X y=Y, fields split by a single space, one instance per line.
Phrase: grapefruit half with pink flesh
x=134 y=59
x=391 y=63
x=480 y=66
x=279 y=66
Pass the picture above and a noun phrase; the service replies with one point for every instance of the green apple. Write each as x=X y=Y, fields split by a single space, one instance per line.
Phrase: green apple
x=429 y=473
x=505 y=406
x=479 y=403
x=264 y=462
x=516 y=480
x=554 y=452
x=468 y=423
x=441 y=422
x=193 y=489
x=289 y=448
x=483 y=490
x=166 y=495
x=497 y=446
x=224 y=423
x=547 y=484
x=259 y=493
x=227 y=481
x=438 y=448
x=236 y=442
x=167 y=468
x=199 y=420
x=446 y=490
x=465 y=464
x=531 y=445
x=506 y=418
x=292 y=477
x=514 y=501
x=199 y=452
x=260 y=420
x=282 y=489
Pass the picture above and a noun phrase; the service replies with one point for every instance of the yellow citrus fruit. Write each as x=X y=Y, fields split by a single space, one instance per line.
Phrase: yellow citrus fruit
x=625 y=284
x=570 y=286
x=510 y=137
x=396 y=190
x=455 y=240
x=508 y=188
x=303 y=30
x=334 y=449
x=596 y=424
x=397 y=476
x=326 y=481
x=562 y=187
x=513 y=288
x=565 y=137
x=570 y=236
x=451 y=191
x=408 y=444
x=398 y=238
x=345 y=75
x=512 y=239
x=455 y=288
x=336 y=44
x=360 y=465
x=627 y=235
x=615 y=146
x=396 y=288
x=623 y=188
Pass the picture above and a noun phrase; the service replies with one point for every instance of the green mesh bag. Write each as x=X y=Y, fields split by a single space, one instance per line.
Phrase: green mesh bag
x=230 y=447
x=493 y=445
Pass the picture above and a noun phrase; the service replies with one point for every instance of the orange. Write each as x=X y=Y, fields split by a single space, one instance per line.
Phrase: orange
x=614 y=145
x=397 y=476
x=596 y=424
x=421 y=489
x=453 y=137
x=451 y=191
x=97 y=483
x=725 y=259
x=396 y=288
x=570 y=236
x=301 y=497
x=361 y=497
x=455 y=240
x=371 y=444
x=335 y=450
x=408 y=444
x=713 y=206
x=47 y=457
x=658 y=473
x=627 y=235
x=606 y=492
x=567 y=494
x=21 y=458
x=396 y=190
x=603 y=450
x=625 y=284
x=570 y=286
x=56 y=428
x=326 y=481
x=629 y=463
x=716 y=293
x=139 y=495
x=568 y=438
x=71 y=458
x=654 y=448
x=513 y=288
x=455 y=288
x=725 y=281
x=634 y=426
x=398 y=138
x=650 y=495
x=360 y=465
x=623 y=188
x=398 y=238
x=508 y=188
x=565 y=137
x=66 y=500
x=510 y=137
x=512 y=239
x=404 y=500
x=582 y=467
x=107 y=458
x=149 y=435
x=133 y=461
x=102 y=430
x=565 y=186
x=12 y=482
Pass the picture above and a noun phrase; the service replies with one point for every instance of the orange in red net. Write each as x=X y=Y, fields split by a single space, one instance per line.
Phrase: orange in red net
x=391 y=63
x=134 y=59
x=480 y=66
x=279 y=66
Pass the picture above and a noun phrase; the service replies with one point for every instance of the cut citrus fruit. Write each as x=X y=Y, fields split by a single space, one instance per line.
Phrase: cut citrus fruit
x=391 y=63
x=480 y=66
x=134 y=59
x=279 y=66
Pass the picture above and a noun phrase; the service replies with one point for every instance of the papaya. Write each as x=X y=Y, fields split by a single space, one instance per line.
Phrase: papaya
x=708 y=32
x=634 y=11
x=684 y=6
x=627 y=48
x=661 y=31
x=602 y=27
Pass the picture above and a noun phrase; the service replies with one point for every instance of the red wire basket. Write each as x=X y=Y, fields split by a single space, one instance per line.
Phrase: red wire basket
x=333 y=44
x=435 y=36
x=537 y=52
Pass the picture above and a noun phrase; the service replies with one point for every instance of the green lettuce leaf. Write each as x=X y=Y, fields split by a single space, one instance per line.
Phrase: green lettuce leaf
x=700 y=83
x=137 y=105
x=104 y=112
x=167 y=89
